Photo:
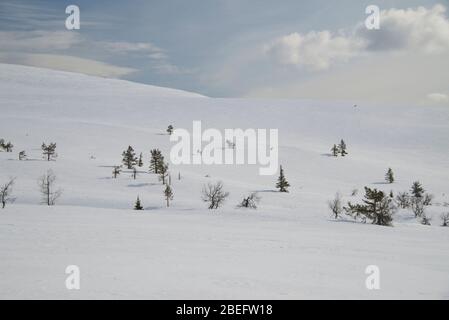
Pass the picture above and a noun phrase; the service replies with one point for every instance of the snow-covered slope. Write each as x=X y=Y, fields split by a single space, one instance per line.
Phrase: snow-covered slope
x=288 y=248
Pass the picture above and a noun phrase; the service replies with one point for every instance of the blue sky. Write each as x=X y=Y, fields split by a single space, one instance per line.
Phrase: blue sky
x=241 y=48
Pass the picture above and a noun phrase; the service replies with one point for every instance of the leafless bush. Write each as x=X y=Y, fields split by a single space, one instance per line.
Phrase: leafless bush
x=335 y=206
x=250 y=201
x=47 y=185
x=427 y=201
x=403 y=200
x=214 y=195
x=425 y=220
x=417 y=206
x=5 y=192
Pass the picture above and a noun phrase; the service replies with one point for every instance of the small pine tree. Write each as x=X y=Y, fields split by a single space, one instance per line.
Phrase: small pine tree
x=342 y=148
x=134 y=173
x=389 y=176
x=168 y=193
x=170 y=129
x=49 y=151
x=417 y=190
x=129 y=158
x=335 y=150
x=377 y=207
x=140 y=162
x=282 y=183
x=137 y=205
x=157 y=161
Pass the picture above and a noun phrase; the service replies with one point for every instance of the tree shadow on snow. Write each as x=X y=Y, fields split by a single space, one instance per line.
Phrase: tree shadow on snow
x=139 y=185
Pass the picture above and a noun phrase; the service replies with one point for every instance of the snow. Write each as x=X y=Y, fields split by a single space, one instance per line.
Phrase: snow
x=288 y=248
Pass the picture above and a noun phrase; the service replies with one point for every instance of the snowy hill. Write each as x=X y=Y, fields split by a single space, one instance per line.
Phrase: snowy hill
x=288 y=248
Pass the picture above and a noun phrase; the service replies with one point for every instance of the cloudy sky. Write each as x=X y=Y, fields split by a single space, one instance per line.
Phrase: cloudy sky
x=318 y=49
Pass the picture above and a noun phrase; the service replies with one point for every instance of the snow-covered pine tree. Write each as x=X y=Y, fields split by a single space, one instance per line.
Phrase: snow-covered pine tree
x=138 y=205
x=129 y=158
x=342 y=148
x=168 y=193
x=389 y=176
x=417 y=190
x=170 y=129
x=282 y=183
x=335 y=150
x=134 y=175
x=49 y=151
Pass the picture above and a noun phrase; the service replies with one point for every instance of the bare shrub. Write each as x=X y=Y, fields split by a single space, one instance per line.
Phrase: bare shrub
x=214 y=195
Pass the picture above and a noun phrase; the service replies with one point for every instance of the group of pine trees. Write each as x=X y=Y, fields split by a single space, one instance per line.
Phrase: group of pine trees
x=48 y=151
x=339 y=149
x=157 y=166
x=378 y=208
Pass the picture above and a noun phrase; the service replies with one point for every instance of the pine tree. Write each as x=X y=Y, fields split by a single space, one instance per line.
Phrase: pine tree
x=129 y=158
x=389 y=177
x=157 y=161
x=377 y=207
x=140 y=162
x=168 y=193
x=335 y=150
x=134 y=173
x=137 y=205
x=417 y=190
x=49 y=151
x=282 y=183
x=170 y=129
x=342 y=148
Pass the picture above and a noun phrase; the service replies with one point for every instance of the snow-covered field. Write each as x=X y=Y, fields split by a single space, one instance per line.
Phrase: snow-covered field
x=288 y=248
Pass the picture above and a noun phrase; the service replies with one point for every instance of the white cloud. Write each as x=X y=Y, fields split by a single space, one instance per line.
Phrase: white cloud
x=438 y=97
x=68 y=63
x=419 y=29
x=129 y=47
x=316 y=50
x=36 y=47
x=38 y=40
x=410 y=30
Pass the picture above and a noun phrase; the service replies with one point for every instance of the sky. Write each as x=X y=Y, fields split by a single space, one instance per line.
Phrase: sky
x=315 y=49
